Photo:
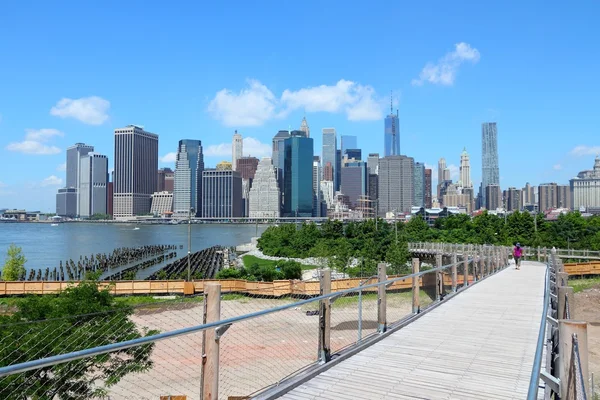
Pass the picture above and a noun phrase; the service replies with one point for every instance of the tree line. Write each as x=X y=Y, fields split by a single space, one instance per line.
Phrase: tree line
x=374 y=241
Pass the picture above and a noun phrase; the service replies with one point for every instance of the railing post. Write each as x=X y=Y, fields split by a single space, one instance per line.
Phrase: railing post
x=465 y=270
x=566 y=329
x=381 y=310
x=454 y=273
x=416 y=305
x=481 y=266
x=539 y=254
x=562 y=279
x=565 y=293
x=325 y=317
x=210 y=362
x=438 y=278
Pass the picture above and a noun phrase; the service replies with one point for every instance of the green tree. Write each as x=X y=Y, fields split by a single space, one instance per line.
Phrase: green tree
x=397 y=256
x=291 y=269
x=14 y=266
x=231 y=273
x=78 y=318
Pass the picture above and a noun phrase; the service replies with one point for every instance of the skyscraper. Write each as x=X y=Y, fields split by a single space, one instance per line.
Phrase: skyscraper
x=489 y=157
x=355 y=181
x=328 y=155
x=428 y=199
x=493 y=197
x=93 y=182
x=513 y=199
x=440 y=176
x=391 y=134
x=166 y=180
x=353 y=154
x=304 y=127
x=187 y=190
x=465 y=170
x=396 y=176
x=298 y=177
x=338 y=169
x=373 y=162
x=419 y=186
x=317 y=194
x=136 y=166
x=73 y=173
x=348 y=142
x=278 y=155
x=586 y=188
x=246 y=166
x=237 y=150
x=264 y=193
x=221 y=194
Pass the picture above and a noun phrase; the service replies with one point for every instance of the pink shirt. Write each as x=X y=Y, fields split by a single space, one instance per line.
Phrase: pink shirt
x=518 y=252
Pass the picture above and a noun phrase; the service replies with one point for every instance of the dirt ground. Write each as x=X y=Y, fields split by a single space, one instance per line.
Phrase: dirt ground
x=254 y=353
x=587 y=308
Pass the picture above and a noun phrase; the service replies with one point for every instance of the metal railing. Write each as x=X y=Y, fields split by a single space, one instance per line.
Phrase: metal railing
x=381 y=302
x=565 y=374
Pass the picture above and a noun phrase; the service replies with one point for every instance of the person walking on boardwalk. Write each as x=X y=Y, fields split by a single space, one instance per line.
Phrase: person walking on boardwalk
x=517 y=254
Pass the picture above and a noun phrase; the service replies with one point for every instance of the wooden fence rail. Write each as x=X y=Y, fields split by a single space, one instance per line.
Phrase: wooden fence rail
x=274 y=289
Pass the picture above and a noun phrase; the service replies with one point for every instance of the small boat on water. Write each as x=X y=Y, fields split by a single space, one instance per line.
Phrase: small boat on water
x=53 y=224
x=136 y=229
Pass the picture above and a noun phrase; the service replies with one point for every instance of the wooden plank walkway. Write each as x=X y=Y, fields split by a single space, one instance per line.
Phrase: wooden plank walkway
x=478 y=345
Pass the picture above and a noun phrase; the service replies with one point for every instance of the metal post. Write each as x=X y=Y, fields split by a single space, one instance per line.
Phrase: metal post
x=439 y=288
x=566 y=329
x=381 y=309
x=481 y=265
x=325 y=317
x=416 y=305
x=210 y=362
x=539 y=254
x=565 y=294
x=454 y=272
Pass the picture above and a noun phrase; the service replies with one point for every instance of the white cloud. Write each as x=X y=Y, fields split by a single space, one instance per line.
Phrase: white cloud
x=557 y=167
x=34 y=142
x=454 y=172
x=580 y=151
x=2 y=184
x=169 y=157
x=256 y=104
x=252 y=147
x=445 y=70
x=32 y=147
x=52 y=180
x=62 y=167
x=89 y=110
x=42 y=135
x=252 y=106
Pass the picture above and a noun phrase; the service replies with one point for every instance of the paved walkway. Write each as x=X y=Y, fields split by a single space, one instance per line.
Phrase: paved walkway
x=478 y=345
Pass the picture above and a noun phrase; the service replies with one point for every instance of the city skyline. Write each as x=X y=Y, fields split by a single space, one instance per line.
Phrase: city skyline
x=79 y=96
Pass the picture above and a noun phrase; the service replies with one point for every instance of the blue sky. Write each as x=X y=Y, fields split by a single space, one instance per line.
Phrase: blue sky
x=74 y=71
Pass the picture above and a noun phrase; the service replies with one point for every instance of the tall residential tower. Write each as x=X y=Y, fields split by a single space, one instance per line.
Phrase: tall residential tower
x=237 y=150
x=489 y=157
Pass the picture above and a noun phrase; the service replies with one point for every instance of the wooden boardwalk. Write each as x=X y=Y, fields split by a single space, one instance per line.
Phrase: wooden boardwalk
x=478 y=345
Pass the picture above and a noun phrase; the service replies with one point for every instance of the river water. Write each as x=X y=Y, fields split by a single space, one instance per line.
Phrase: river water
x=45 y=245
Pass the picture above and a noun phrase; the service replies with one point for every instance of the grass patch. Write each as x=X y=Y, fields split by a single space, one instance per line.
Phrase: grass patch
x=249 y=260
x=232 y=296
x=141 y=300
x=580 y=285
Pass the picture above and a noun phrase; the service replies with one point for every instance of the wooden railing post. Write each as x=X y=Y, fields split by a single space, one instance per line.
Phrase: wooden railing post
x=325 y=317
x=454 y=273
x=438 y=278
x=416 y=305
x=481 y=265
x=539 y=254
x=562 y=279
x=210 y=363
x=566 y=329
x=381 y=299
x=565 y=293
x=465 y=260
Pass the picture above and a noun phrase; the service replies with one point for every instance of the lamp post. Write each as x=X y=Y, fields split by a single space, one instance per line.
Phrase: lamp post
x=396 y=225
x=189 y=269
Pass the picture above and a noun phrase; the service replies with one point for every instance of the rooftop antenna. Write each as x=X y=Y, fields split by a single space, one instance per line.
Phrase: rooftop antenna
x=391 y=100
